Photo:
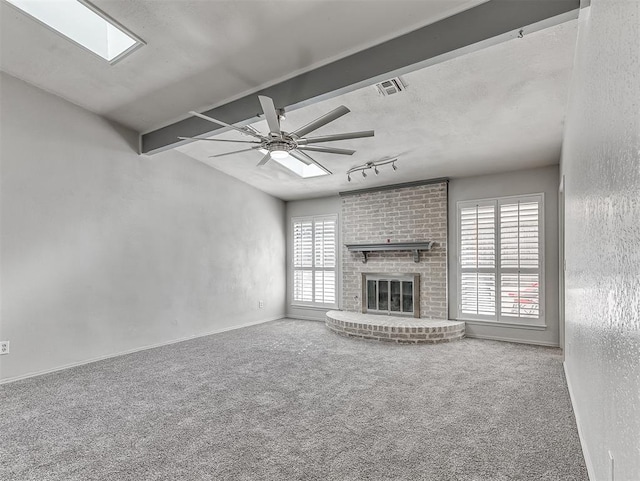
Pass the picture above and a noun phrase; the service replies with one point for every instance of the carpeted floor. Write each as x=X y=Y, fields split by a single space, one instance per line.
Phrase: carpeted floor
x=289 y=400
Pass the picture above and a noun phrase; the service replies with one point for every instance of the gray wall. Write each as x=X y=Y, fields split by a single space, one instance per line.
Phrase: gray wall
x=301 y=208
x=544 y=180
x=601 y=165
x=104 y=251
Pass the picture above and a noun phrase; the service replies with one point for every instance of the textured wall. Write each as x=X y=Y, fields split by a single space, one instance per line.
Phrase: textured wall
x=104 y=251
x=601 y=164
x=409 y=214
x=545 y=180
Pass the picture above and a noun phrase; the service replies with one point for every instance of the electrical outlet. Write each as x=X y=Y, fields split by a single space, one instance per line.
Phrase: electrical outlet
x=4 y=347
x=261 y=304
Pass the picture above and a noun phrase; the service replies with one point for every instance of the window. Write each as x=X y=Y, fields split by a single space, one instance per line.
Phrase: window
x=83 y=24
x=314 y=261
x=500 y=259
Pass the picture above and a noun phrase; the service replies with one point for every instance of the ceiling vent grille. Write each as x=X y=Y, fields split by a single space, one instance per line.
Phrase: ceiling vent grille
x=391 y=86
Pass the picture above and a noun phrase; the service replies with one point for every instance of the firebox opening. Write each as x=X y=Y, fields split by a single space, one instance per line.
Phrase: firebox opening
x=391 y=294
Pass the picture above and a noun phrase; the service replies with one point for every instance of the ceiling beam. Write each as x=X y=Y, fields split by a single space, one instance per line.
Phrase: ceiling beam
x=487 y=24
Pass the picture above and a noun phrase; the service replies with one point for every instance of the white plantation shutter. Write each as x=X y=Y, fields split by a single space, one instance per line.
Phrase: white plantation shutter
x=314 y=260
x=478 y=259
x=478 y=293
x=325 y=260
x=520 y=258
x=303 y=244
x=325 y=287
x=500 y=263
x=520 y=296
x=325 y=243
x=303 y=286
x=303 y=261
x=519 y=247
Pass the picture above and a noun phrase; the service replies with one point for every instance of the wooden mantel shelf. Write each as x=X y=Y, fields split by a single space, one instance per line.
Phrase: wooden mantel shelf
x=415 y=247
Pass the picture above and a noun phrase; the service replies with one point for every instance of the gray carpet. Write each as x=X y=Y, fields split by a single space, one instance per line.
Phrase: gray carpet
x=290 y=400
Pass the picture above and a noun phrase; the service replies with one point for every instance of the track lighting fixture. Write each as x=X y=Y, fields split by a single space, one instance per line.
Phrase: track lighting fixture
x=371 y=165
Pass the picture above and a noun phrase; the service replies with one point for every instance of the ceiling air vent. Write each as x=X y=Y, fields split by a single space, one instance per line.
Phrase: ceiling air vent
x=391 y=86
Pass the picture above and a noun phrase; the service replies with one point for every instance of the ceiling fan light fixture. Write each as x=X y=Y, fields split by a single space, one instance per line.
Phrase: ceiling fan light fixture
x=279 y=154
x=288 y=149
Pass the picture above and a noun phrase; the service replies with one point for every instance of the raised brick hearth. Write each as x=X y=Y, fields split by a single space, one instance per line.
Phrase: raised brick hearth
x=397 y=329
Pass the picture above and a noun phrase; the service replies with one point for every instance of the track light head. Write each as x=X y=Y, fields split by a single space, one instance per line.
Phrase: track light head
x=373 y=165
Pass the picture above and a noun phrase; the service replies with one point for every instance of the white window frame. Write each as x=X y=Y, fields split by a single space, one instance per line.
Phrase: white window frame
x=497 y=269
x=313 y=219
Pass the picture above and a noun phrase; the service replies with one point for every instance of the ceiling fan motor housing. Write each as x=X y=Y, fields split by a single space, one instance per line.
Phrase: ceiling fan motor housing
x=281 y=146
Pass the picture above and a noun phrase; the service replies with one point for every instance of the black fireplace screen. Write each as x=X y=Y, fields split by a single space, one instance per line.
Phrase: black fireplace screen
x=389 y=295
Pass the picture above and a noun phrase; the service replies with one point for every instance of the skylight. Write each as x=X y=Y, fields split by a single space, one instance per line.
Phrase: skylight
x=298 y=167
x=82 y=23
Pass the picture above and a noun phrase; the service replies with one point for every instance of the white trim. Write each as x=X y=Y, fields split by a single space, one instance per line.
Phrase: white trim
x=583 y=444
x=137 y=349
x=561 y=264
x=310 y=307
x=139 y=42
x=507 y=339
x=515 y=325
x=313 y=219
x=315 y=305
x=306 y=318
x=497 y=270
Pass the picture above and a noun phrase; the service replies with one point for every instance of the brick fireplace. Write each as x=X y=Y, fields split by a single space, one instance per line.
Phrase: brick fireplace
x=405 y=214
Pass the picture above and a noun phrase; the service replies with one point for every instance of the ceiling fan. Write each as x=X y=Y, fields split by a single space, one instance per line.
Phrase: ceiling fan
x=284 y=147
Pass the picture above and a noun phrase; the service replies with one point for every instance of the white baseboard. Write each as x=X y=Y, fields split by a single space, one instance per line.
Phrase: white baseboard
x=137 y=349
x=305 y=318
x=506 y=339
x=585 y=451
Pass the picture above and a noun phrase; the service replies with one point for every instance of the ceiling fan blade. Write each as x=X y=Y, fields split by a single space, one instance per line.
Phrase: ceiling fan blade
x=328 y=150
x=264 y=159
x=303 y=157
x=331 y=138
x=221 y=140
x=236 y=151
x=319 y=122
x=270 y=114
x=251 y=129
x=224 y=124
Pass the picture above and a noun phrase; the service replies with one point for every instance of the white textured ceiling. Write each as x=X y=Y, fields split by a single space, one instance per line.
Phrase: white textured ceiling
x=494 y=110
x=201 y=54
